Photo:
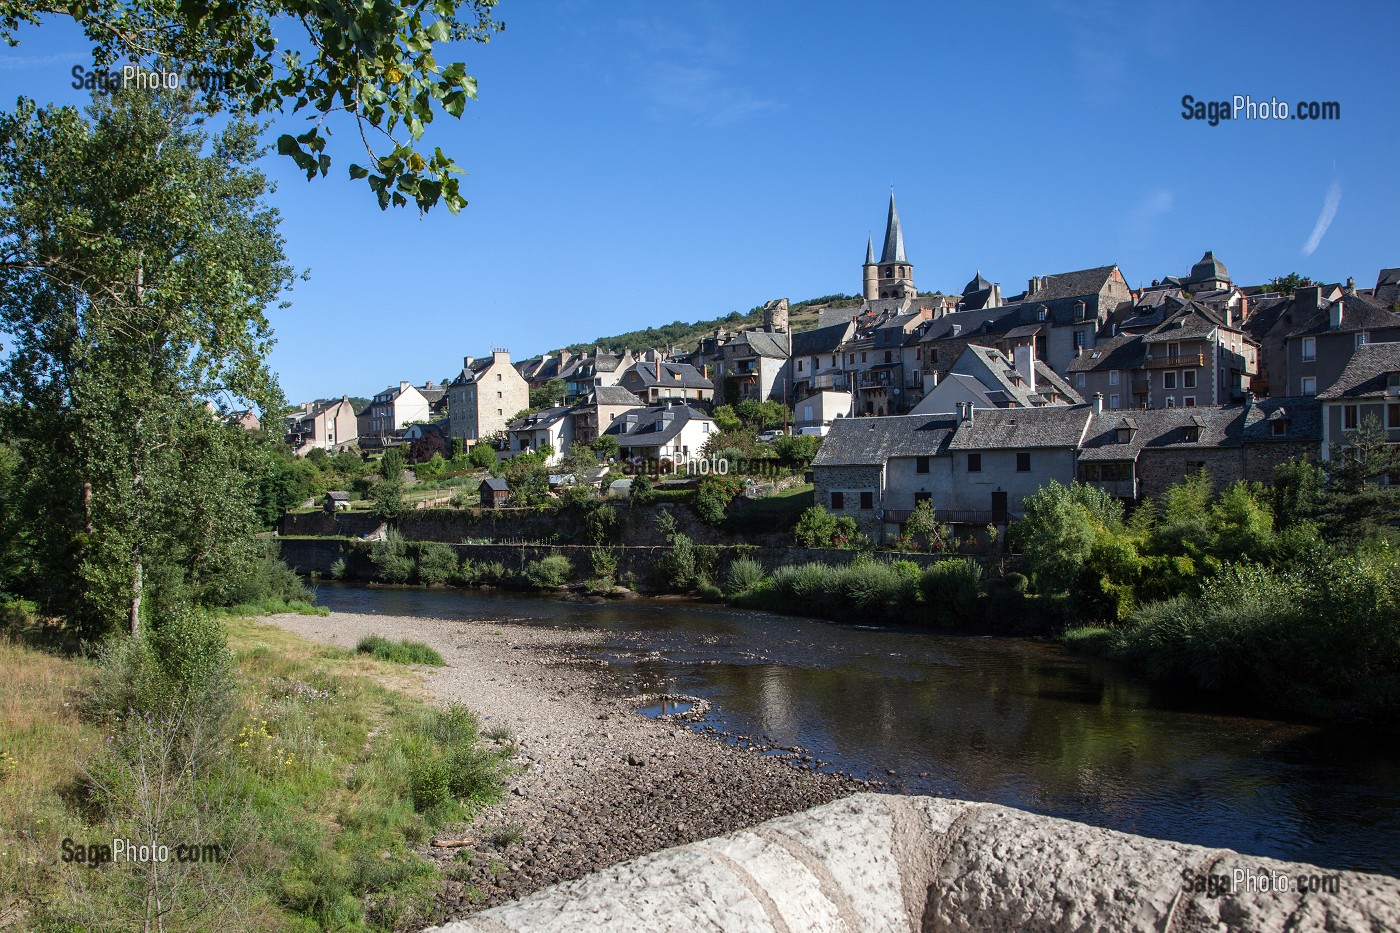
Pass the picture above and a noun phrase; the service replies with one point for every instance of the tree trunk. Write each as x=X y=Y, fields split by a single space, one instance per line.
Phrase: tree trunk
x=136 y=599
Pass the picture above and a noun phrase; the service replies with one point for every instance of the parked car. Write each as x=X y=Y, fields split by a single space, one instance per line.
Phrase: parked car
x=768 y=437
x=814 y=430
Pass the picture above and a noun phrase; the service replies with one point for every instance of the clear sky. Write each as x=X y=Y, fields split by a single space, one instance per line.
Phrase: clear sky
x=636 y=163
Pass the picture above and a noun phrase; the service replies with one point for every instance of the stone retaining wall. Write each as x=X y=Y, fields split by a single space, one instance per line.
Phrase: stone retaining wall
x=885 y=862
x=316 y=555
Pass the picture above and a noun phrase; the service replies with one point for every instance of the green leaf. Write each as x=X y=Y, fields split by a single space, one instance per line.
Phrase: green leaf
x=358 y=172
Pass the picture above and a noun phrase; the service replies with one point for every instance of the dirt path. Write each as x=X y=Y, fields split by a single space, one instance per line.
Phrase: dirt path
x=596 y=782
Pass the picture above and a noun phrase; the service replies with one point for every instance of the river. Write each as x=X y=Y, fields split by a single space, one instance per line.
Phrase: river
x=1007 y=720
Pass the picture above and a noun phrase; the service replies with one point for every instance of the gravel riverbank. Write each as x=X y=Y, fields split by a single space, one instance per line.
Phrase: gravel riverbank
x=595 y=782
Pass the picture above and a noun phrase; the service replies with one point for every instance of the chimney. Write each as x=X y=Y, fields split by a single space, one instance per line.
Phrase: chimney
x=658 y=369
x=466 y=362
x=500 y=355
x=965 y=412
x=1025 y=365
x=1098 y=403
x=1334 y=315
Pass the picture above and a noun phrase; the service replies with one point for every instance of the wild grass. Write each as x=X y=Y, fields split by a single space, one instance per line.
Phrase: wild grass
x=330 y=768
x=399 y=652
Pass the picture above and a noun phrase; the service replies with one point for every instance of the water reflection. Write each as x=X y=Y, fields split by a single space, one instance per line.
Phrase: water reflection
x=1003 y=720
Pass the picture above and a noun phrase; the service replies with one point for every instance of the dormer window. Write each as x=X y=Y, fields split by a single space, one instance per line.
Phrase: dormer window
x=1280 y=427
x=1040 y=314
x=1392 y=383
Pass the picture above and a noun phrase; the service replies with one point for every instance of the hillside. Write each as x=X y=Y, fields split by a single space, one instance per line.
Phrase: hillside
x=801 y=316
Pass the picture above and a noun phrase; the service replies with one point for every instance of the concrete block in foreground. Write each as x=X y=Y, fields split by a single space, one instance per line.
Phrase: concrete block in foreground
x=884 y=862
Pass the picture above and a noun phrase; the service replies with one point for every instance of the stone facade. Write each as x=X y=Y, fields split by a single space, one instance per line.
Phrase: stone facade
x=484 y=397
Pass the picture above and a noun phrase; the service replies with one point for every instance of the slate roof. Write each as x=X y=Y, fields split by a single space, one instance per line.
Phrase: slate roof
x=1122 y=352
x=1002 y=370
x=540 y=419
x=869 y=441
x=681 y=375
x=762 y=343
x=613 y=395
x=822 y=340
x=1387 y=290
x=869 y=251
x=1365 y=375
x=1160 y=427
x=1192 y=321
x=1021 y=428
x=1208 y=268
x=1357 y=314
x=495 y=483
x=976 y=285
x=1301 y=415
x=431 y=392
x=652 y=427
x=1078 y=284
x=894 y=236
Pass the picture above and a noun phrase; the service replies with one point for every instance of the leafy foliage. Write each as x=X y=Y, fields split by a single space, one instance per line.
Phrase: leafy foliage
x=819 y=528
x=372 y=62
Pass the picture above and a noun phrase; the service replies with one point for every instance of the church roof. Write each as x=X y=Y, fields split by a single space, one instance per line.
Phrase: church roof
x=1208 y=268
x=976 y=285
x=869 y=251
x=894 y=236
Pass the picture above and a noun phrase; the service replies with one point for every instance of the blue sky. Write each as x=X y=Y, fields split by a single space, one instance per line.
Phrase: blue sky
x=637 y=163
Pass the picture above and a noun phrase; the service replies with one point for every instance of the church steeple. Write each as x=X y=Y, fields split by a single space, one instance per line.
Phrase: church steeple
x=893 y=276
x=894 y=236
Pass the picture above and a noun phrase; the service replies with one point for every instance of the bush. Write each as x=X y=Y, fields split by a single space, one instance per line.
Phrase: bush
x=951 y=589
x=482 y=456
x=399 y=652
x=338 y=569
x=550 y=571
x=712 y=498
x=390 y=558
x=604 y=563
x=745 y=573
x=435 y=562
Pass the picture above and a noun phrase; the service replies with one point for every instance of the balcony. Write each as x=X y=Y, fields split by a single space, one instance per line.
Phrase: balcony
x=951 y=516
x=1182 y=361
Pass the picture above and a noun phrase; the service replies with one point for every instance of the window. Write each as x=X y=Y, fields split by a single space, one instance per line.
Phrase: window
x=853 y=357
x=1169 y=380
x=500 y=395
x=1361 y=338
x=922 y=497
x=1393 y=414
x=1170 y=402
x=888 y=356
x=1188 y=379
x=833 y=361
x=1079 y=380
x=1040 y=314
x=838 y=501
x=499 y=413
x=1189 y=401
x=1280 y=427
x=974 y=463
x=862 y=356
x=1351 y=417
x=921 y=464
x=1023 y=462
x=1309 y=348
x=867 y=501
x=799 y=366
x=1113 y=377
x=806 y=412
x=1309 y=385
x=1173 y=350
x=1081 y=337
x=498 y=377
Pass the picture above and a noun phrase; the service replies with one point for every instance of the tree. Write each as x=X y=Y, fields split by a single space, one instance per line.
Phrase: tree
x=482 y=456
x=762 y=415
x=579 y=460
x=606 y=446
x=424 y=448
x=726 y=420
x=138 y=256
x=391 y=465
x=551 y=393
x=1056 y=534
x=374 y=62
x=1287 y=284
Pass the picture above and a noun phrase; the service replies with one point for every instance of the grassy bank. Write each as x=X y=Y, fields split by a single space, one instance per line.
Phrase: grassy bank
x=329 y=767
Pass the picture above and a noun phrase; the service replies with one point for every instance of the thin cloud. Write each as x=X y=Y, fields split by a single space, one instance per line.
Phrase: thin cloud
x=1142 y=219
x=29 y=62
x=1324 y=220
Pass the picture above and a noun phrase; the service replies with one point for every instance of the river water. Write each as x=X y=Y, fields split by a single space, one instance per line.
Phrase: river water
x=1007 y=720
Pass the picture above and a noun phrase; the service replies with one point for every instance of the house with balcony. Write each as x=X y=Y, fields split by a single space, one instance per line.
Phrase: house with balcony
x=600 y=368
x=1369 y=387
x=674 y=434
x=598 y=409
x=550 y=427
x=753 y=365
x=657 y=381
x=816 y=362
